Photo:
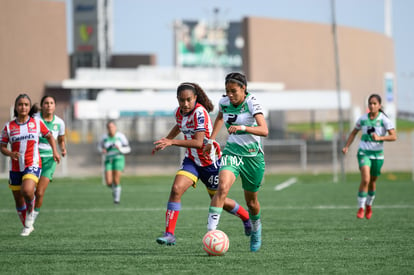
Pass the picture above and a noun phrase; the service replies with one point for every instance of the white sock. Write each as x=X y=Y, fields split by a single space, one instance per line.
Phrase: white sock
x=212 y=221
x=35 y=214
x=256 y=224
x=370 y=199
x=361 y=202
x=116 y=190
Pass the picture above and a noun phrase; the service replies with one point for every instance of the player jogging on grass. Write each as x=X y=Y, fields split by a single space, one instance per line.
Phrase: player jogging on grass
x=57 y=127
x=23 y=134
x=114 y=145
x=193 y=120
x=376 y=128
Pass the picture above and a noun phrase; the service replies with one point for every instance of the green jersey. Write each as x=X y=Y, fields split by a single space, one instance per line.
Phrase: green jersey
x=115 y=146
x=57 y=127
x=380 y=126
x=241 y=143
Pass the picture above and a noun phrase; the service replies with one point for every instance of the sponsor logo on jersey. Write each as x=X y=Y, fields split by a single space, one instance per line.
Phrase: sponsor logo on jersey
x=23 y=137
x=200 y=120
x=14 y=129
x=189 y=123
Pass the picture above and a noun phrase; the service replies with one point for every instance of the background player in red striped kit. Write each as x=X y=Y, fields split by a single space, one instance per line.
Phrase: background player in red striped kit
x=193 y=120
x=23 y=134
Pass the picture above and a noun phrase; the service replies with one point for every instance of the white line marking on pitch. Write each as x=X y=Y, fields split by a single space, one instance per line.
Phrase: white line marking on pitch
x=205 y=208
x=286 y=184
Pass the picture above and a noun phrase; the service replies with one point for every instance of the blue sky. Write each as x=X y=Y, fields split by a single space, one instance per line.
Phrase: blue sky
x=145 y=27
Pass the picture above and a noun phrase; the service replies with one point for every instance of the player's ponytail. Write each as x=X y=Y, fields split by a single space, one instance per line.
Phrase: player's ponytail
x=34 y=109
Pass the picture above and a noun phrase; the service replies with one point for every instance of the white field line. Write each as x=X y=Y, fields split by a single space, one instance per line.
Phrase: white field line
x=199 y=208
x=285 y=184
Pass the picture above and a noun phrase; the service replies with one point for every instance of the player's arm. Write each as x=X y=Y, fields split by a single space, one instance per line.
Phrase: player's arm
x=351 y=138
x=101 y=146
x=392 y=136
x=196 y=142
x=259 y=130
x=123 y=145
x=164 y=142
x=62 y=144
x=52 y=143
x=175 y=131
x=5 y=151
x=218 y=123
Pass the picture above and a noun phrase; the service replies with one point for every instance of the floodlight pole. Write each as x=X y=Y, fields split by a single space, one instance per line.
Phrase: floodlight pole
x=338 y=89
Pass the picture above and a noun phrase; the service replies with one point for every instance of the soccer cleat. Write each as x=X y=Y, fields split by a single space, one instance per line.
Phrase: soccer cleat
x=256 y=239
x=26 y=231
x=167 y=239
x=368 y=212
x=29 y=220
x=247 y=227
x=360 y=213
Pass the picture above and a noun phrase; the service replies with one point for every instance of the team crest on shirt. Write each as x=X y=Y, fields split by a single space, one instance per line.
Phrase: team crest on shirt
x=31 y=127
x=55 y=127
x=243 y=108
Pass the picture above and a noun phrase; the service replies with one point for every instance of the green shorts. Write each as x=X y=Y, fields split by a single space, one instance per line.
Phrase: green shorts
x=116 y=163
x=48 y=167
x=372 y=161
x=250 y=169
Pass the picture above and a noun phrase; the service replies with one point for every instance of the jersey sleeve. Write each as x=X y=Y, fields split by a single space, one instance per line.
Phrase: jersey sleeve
x=255 y=106
x=100 y=145
x=200 y=120
x=358 y=123
x=4 y=135
x=388 y=125
x=43 y=128
x=62 y=128
x=124 y=147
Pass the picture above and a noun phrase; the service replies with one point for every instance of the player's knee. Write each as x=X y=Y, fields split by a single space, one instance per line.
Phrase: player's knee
x=39 y=193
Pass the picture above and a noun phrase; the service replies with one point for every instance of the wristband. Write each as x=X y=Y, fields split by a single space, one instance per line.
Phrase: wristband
x=210 y=141
x=243 y=128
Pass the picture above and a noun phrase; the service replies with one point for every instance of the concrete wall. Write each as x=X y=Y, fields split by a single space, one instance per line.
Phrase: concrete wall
x=32 y=49
x=301 y=55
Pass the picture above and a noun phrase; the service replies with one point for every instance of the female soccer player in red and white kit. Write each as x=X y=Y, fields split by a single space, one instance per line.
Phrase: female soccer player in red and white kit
x=23 y=134
x=193 y=120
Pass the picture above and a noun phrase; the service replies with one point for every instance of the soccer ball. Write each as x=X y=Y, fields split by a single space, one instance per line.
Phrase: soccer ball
x=216 y=243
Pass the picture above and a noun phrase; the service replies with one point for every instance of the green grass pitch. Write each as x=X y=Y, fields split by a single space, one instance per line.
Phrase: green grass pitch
x=308 y=228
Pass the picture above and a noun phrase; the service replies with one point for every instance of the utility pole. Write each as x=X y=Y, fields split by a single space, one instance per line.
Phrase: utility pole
x=338 y=89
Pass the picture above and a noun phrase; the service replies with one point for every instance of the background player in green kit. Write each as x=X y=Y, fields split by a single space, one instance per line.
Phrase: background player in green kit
x=376 y=128
x=57 y=127
x=243 y=154
x=113 y=146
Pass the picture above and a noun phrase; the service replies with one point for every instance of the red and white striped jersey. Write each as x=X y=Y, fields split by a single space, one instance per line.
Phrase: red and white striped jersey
x=24 y=138
x=196 y=121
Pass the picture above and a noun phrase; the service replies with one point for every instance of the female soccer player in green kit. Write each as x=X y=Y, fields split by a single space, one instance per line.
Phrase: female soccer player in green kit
x=114 y=145
x=243 y=154
x=57 y=127
x=376 y=128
